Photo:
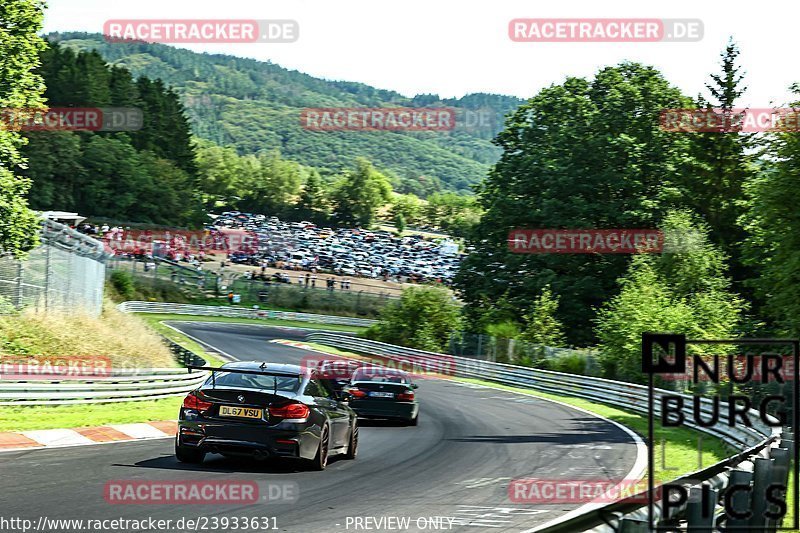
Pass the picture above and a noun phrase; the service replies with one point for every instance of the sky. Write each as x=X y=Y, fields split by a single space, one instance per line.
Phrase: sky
x=452 y=48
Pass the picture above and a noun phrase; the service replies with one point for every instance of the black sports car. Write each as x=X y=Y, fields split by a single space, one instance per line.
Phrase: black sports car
x=383 y=393
x=337 y=372
x=265 y=410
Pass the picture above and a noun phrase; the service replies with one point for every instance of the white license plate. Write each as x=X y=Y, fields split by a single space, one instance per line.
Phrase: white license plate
x=381 y=394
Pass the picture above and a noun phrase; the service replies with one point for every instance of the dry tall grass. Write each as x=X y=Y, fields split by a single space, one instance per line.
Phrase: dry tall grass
x=124 y=339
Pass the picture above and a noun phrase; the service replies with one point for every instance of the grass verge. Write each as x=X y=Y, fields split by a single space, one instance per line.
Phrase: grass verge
x=159 y=317
x=25 y=418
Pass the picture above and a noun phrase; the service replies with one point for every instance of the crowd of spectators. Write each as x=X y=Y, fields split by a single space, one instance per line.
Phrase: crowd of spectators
x=350 y=252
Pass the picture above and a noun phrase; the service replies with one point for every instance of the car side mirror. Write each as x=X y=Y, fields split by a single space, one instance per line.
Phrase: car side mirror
x=414 y=386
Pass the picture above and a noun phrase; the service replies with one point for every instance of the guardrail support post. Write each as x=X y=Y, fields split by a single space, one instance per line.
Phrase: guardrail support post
x=762 y=473
x=700 y=508
x=633 y=525
x=780 y=476
x=740 y=500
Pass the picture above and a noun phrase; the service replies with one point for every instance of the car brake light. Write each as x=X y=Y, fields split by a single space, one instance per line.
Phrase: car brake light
x=291 y=410
x=193 y=402
x=407 y=396
x=357 y=393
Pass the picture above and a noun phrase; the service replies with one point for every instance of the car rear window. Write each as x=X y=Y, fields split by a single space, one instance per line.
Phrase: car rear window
x=254 y=381
x=380 y=376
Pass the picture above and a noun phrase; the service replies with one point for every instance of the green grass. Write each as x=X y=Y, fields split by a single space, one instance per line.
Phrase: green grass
x=26 y=418
x=158 y=317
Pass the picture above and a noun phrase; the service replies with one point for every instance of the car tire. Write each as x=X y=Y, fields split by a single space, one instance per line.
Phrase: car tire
x=414 y=421
x=184 y=454
x=320 y=460
x=352 y=447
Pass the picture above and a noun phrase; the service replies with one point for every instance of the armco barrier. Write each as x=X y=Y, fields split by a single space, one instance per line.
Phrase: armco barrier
x=238 y=312
x=116 y=386
x=760 y=450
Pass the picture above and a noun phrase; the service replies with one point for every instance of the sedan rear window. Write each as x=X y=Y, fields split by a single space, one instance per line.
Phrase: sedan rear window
x=254 y=381
x=379 y=375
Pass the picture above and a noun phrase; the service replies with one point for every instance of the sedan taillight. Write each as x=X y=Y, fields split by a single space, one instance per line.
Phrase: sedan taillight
x=193 y=402
x=291 y=410
x=407 y=396
x=357 y=393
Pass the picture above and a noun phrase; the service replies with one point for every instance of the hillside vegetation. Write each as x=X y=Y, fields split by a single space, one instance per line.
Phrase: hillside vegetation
x=255 y=106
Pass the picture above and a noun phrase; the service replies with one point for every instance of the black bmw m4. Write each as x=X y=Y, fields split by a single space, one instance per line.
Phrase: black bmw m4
x=266 y=410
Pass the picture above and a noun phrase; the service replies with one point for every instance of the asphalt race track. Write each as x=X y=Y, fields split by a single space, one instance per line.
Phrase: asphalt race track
x=470 y=442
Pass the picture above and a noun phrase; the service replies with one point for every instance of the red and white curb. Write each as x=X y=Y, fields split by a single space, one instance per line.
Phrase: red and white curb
x=59 y=438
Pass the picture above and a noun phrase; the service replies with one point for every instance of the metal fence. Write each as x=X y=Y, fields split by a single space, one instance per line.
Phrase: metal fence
x=503 y=350
x=199 y=285
x=65 y=273
x=762 y=452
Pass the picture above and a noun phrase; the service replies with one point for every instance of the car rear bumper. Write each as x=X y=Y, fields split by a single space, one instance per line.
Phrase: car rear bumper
x=243 y=439
x=383 y=409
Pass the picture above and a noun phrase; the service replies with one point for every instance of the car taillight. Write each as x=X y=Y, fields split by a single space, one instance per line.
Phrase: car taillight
x=407 y=396
x=357 y=393
x=292 y=410
x=193 y=402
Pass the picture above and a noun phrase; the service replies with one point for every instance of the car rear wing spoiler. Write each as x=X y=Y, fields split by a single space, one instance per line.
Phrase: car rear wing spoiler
x=259 y=372
x=264 y=372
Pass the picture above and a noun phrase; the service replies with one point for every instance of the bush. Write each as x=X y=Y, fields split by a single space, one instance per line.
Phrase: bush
x=422 y=318
x=123 y=284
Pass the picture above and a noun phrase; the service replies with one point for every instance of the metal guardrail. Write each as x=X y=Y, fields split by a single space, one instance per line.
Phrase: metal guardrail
x=117 y=386
x=765 y=454
x=238 y=312
x=114 y=385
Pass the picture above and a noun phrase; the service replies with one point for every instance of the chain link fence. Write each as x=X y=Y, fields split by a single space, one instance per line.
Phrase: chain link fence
x=206 y=286
x=515 y=351
x=65 y=273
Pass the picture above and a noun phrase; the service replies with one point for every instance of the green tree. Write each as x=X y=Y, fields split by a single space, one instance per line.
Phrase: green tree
x=20 y=88
x=408 y=205
x=684 y=290
x=720 y=164
x=582 y=154
x=219 y=171
x=423 y=318
x=541 y=324
x=773 y=244
x=312 y=203
x=274 y=185
x=399 y=223
x=359 y=194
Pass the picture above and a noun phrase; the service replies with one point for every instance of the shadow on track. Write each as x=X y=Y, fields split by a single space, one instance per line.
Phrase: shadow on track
x=228 y=465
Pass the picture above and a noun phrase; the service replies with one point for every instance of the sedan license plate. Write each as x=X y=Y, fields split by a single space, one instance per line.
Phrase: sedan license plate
x=240 y=412
x=375 y=394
